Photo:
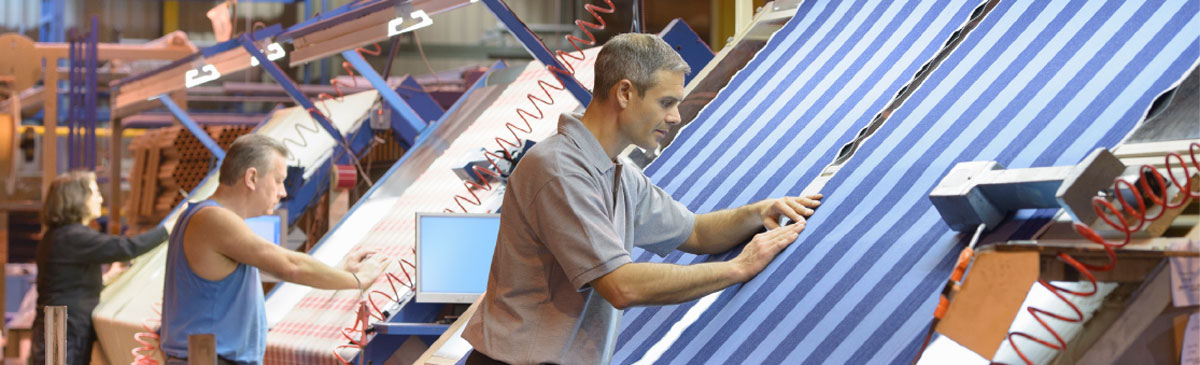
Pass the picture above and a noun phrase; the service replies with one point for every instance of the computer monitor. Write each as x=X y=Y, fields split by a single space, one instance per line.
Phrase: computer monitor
x=454 y=255
x=269 y=227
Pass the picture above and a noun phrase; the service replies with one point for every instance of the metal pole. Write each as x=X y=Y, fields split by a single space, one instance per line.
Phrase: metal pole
x=90 y=95
x=534 y=45
x=56 y=335
x=191 y=126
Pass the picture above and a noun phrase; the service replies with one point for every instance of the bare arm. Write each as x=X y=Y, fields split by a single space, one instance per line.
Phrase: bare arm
x=637 y=284
x=719 y=231
x=240 y=244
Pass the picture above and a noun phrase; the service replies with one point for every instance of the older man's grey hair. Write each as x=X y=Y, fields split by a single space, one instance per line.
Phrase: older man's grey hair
x=251 y=150
x=634 y=57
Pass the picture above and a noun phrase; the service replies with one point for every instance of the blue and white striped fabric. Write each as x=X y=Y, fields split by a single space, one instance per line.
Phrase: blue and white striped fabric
x=817 y=82
x=1038 y=83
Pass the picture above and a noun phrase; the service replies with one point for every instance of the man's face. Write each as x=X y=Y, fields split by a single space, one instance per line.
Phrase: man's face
x=648 y=117
x=269 y=185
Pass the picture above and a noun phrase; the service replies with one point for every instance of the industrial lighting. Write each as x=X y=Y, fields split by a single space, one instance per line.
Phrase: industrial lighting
x=273 y=52
x=394 y=26
x=201 y=75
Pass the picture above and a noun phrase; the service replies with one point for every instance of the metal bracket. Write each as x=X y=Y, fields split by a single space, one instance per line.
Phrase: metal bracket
x=983 y=192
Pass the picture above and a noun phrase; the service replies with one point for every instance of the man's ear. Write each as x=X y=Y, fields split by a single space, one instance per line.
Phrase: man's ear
x=624 y=92
x=251 y=178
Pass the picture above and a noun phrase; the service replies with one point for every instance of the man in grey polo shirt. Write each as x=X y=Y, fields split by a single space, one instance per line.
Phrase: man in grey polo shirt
x=562 y=271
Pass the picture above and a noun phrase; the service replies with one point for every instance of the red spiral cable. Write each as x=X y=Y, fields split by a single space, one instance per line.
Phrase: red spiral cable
x=471 y=197
x=356 y=334
x=148 y=338
x=1122 y=224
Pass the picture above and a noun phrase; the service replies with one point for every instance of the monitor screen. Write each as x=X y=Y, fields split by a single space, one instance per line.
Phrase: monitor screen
x=454 y=255
x=267 y=226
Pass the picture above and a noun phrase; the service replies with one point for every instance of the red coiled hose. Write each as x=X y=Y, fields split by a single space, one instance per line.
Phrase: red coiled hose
x=1137 y=213
x=524 y=115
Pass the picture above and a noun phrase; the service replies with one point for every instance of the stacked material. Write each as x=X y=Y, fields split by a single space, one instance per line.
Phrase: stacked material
x=1036 y=84
x=167 y=162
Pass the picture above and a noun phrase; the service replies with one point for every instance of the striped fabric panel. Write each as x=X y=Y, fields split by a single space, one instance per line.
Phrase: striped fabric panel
x=1037 y=84
x=784 y=116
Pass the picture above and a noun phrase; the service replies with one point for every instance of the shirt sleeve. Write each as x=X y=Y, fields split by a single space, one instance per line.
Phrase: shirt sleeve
x=661 y=224
x=92 y=246
x=568 y=216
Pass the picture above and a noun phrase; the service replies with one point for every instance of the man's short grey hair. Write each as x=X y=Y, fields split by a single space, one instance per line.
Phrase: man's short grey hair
x=634 y=57
x=251 y=150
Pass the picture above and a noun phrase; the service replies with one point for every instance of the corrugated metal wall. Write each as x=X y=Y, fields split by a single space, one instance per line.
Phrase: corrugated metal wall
x=119 y=19
x=18 y=16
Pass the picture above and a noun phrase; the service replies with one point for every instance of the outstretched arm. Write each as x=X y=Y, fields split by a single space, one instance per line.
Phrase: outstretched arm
x=637 y=284
x=240 y=244
x=719 y=231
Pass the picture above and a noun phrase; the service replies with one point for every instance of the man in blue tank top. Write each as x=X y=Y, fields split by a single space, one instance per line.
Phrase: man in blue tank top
x=212 y=284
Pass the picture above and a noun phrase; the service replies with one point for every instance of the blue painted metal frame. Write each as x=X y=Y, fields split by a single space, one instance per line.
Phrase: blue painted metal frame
x=688 y=44
x=91 y=49
x=51 y=23
x=422 y=102
x=290 y=87
x=534 y=45
x=318 y=182
x=80 y=107
x=382 y=347
x=420 y=141
x=409 y=124
x=191 y=126
x=414 y=319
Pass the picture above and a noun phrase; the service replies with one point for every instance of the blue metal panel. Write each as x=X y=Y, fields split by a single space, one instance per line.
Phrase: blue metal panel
x=410 y=329
x=409 y=124
x=538 y=49
x=423 y=103
x=689 y=45
x=414 y=319
x=191 y=126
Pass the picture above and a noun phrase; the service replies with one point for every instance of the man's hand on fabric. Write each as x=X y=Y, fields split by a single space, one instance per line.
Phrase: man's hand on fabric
x=764 y=247
x=793 y=207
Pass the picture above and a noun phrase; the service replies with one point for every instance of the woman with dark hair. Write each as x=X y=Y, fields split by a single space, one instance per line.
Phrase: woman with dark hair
x=69 y=258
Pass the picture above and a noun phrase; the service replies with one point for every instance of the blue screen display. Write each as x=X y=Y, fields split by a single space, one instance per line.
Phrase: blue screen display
x=266 y=226
x=455 y=252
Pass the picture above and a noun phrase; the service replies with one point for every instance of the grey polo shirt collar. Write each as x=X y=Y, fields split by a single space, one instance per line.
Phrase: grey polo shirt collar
x=570 y=125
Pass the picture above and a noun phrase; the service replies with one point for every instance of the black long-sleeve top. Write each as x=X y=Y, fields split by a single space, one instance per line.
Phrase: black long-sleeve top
x=69 y=259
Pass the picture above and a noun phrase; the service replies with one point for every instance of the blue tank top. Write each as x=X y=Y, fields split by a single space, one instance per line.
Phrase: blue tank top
x=231 y=308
